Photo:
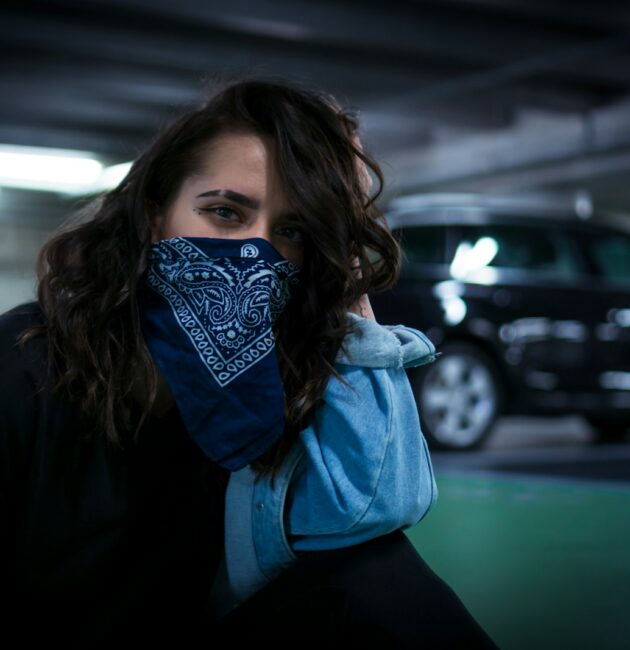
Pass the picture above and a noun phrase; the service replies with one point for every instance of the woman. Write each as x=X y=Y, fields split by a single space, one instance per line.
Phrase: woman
x=203 y=420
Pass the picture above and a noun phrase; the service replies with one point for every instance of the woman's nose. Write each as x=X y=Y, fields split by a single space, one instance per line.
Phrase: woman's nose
x=261 y=230
x=282 y=246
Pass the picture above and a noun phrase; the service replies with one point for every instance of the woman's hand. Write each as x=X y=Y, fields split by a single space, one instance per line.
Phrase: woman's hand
x=362 y=306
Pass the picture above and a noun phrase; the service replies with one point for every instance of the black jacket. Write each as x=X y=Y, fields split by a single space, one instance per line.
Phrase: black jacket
x=98 y=546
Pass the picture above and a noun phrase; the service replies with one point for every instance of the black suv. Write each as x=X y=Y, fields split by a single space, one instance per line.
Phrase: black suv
x=529 y=304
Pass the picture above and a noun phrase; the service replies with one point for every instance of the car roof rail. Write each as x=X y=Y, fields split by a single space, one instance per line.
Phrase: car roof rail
x=452 y=207
x=529 y=201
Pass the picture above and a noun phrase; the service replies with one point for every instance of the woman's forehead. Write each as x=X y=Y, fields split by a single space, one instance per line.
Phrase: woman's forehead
x=242 y=171
x=246 y=160
x=241 y=147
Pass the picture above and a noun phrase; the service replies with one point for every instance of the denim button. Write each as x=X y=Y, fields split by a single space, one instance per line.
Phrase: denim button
x=260 y=506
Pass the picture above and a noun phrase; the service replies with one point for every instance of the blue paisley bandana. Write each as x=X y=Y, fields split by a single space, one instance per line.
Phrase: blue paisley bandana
x=207 y=309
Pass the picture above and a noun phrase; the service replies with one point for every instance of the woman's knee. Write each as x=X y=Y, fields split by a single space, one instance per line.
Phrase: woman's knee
x=390 y=586
x=378 y=590
x=381 y=559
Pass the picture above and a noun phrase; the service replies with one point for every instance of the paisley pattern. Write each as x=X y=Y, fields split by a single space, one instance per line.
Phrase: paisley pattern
x=225 y=305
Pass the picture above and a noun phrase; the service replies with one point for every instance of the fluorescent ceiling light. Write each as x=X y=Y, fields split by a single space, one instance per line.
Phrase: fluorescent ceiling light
x=57 y=170
x=110 y=177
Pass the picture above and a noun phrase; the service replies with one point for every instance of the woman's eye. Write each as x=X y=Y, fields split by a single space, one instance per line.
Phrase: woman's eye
x=294 y=234
x=224 y=213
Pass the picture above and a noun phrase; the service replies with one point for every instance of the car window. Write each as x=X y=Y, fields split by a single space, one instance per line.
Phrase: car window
x=610 y=253
x=422 y=244
x=525 y=248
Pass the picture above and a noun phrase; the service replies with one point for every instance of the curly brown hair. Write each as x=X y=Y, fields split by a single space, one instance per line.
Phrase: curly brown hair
x=90 y=269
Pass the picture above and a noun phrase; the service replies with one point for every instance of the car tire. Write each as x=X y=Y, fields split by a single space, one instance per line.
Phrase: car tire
x=459 y=397
x=607 y=430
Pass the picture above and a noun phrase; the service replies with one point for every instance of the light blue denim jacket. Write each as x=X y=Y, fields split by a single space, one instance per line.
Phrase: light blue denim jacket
x=361 y=469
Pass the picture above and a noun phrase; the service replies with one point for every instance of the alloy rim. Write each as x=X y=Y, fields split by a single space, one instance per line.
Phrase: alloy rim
x=458 y=400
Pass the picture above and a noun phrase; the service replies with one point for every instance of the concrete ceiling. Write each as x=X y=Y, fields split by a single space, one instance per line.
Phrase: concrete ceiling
x=507 y=95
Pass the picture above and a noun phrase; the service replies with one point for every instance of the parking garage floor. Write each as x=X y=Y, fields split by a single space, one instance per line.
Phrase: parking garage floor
x=533 y=534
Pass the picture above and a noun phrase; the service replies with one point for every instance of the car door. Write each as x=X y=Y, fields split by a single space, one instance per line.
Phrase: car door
x=607 y=251
x=523 y=286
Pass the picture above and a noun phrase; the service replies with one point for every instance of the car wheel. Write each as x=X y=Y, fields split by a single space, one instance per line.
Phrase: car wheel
x=608 y=430
x=458 y=397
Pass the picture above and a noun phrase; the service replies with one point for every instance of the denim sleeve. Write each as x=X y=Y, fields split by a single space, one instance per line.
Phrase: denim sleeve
x=367 y=469
x=385 y=346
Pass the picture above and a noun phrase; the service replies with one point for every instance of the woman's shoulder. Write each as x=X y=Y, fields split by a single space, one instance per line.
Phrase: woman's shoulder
x=20 y=317
x=21 y=369
x=21 y=362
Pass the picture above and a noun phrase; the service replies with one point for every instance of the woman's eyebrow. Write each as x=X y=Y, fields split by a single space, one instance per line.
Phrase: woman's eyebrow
x=237 y=197
x=248 y=202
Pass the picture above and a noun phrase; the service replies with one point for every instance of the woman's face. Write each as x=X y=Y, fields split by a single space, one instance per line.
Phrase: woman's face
x=236 y=195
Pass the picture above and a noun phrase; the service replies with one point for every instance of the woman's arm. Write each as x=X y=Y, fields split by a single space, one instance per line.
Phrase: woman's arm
x=366 y=469
x=361 y=469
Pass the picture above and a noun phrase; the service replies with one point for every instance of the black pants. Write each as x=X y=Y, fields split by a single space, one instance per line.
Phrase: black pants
x=380 y=593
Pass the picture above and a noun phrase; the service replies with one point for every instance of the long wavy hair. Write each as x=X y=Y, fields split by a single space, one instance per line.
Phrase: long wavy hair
x=90 y=269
